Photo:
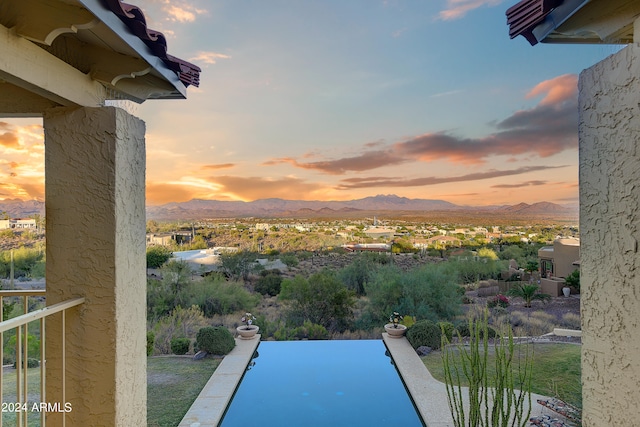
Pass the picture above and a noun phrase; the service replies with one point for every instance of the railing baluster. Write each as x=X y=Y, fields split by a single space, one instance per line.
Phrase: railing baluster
x=25 y=363
x=2 y=356
x=43 y=371
x=64 y=366
x=19 y=372
x=20 y=325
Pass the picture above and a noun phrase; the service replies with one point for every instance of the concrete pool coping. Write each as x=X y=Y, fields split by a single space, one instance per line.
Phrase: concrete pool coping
x=208 y=408
x=429 y=395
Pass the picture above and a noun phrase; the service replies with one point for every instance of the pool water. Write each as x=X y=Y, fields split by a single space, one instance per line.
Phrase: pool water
x=321 y=383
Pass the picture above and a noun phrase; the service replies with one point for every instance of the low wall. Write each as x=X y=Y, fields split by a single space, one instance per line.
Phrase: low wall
x=552 y=286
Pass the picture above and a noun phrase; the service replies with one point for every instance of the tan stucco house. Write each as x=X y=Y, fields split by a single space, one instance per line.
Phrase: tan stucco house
x=63 y=61
x=609 y=160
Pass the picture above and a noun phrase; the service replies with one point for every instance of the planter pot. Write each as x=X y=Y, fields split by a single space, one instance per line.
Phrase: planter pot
x=566 y=291
x=247 y=332
x=397 y=332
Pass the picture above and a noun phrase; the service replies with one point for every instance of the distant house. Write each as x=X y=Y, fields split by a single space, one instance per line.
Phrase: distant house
x=443 y=240
x=379 y=233
x=21 y=223
x=561 y=259
x=167 y=239
x=18 y=223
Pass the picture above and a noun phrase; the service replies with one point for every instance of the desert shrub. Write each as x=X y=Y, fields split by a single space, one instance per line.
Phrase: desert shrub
x=573 y=280
x=237 y=265
x=269 y=283
x=355 y=275
x=311 y=331
x=180 y=345
x=488 y=291
x=290 y=260
x=466 y=300
x=498 y=301
x=472 y=271
x=214 y=295
x=447 y=328
x=425 y=333
x=31 y=363
x=215 y=340
x=532 y=324
x=182 y=322
x=428 y=292
x=151 y=337
x=322 y=299
x=462 y=329
x=284 y=333
x=571 y=321
x=157 y=255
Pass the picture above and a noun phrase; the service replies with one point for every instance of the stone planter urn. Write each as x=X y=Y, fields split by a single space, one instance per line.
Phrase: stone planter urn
x=247 y=332
x=395 y=331
x=566 y=291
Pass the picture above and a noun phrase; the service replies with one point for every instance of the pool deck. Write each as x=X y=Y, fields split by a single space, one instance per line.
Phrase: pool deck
x=429 y=395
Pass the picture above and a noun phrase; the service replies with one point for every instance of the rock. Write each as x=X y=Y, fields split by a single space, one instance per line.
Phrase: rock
x=200 y=355
x=423 y=350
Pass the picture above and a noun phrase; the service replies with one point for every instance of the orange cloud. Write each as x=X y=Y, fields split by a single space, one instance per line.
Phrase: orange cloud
x=456 y=9
x=219 y=166
x=9 y=140
x=353 y=183
x=160 y=193
x=557 y=90
x=522 y=184
x=252 y=188
x=544 y=130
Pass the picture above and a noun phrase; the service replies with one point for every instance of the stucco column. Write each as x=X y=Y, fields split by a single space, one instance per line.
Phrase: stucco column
x=610 y=230
x=94 y=181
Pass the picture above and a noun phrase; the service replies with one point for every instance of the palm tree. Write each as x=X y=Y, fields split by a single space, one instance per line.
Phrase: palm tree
x=528 y=292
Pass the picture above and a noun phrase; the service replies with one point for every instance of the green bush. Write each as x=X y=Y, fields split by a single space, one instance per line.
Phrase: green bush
x=447 y=329
x=151 y=338
x=311 y=331
x=157 y=256
x=215 y=340
x=269 y=284
x=180 y=345
x=425 y=332
x=214 y=295
x=31 y=363
x=463 y=330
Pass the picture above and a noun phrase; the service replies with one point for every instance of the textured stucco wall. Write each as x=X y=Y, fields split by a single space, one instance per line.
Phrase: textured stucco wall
x=94 y=179
x=610 y=230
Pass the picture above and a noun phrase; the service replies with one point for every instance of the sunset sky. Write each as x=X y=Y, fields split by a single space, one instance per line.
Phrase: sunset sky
x=338 y=100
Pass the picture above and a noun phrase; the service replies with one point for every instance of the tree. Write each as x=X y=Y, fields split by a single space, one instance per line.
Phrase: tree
x=322 y=299
x=157 y=256
x=529 y=293
x=237 y=265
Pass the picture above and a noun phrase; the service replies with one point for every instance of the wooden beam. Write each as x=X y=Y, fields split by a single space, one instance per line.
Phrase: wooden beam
x=18 y=102
x=30 y=67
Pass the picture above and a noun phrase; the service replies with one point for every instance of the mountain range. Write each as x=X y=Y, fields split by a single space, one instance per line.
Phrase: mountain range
x=269 y=208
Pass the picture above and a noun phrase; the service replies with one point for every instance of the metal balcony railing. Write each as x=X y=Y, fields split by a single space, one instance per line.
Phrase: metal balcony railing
x=17 y=409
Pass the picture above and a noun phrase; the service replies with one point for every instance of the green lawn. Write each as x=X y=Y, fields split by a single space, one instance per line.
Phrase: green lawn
x=173 y=383
x=556 y=371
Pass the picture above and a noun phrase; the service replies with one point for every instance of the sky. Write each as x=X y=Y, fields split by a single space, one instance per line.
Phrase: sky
x=340 y=100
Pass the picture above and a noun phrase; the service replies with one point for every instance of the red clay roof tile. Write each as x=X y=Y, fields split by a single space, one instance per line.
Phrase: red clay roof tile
x=134 y=19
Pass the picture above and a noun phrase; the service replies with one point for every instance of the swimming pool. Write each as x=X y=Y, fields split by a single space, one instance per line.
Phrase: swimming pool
x=321 y=383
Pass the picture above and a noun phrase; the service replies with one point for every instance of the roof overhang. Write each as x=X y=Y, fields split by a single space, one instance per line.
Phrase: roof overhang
x=83 y=52
x=574 y=21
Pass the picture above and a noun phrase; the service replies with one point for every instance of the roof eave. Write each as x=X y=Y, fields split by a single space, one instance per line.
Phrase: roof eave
x=119 y=28
x=544 y=31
